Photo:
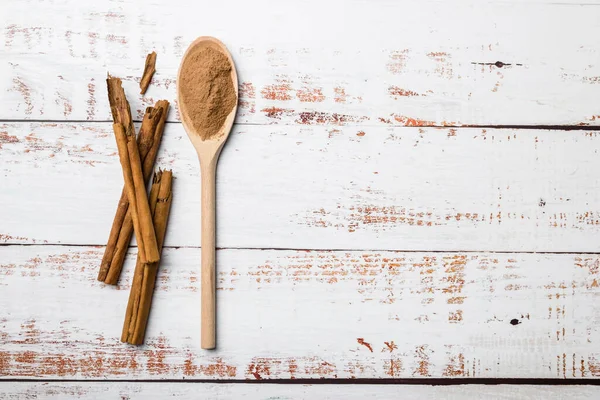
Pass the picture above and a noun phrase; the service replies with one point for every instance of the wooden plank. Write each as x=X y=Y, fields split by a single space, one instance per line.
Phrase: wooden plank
x=510 y=62
x=147 y=390
x=319 y=187
x=306 y=314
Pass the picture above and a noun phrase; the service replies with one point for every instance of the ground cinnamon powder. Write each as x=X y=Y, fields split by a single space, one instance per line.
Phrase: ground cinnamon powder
x=207 y=90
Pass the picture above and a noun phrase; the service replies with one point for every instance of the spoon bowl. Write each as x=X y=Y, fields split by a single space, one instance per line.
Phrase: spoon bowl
x=208 y=150
x=199 y=144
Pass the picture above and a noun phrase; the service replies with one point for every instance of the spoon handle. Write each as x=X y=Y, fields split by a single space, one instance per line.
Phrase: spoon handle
x=208 y=284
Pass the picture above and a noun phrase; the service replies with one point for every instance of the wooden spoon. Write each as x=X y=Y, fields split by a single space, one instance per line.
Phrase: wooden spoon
x=208 y=153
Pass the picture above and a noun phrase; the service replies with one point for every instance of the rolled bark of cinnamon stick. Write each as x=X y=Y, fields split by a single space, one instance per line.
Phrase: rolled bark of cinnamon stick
x=152 y=118
x=113 y=238
x=121 y=114
x=120 y=250
x=161 y=216
x=142 y=288
x=124 y=157
x=149 y=140
x=136 y=284
x=131 y=314
x=122 y=228
x=134 y=294
x=140 y=202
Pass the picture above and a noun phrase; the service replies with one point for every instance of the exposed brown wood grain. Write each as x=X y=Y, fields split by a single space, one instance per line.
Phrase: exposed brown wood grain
x=490 y=304
x=405 y=314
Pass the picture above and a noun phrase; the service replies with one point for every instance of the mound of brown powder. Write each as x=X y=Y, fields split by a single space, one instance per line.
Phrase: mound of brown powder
x=207 y=90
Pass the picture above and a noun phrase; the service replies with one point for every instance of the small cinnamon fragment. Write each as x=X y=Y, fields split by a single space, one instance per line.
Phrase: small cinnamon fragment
x=149 y=69
x=142 y=288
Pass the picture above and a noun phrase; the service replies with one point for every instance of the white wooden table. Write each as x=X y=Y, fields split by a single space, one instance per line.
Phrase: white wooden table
x=411 y=190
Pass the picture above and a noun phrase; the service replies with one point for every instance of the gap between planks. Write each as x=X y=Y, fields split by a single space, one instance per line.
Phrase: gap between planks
x=370 y=381
x=524 y=127
x=99 y=246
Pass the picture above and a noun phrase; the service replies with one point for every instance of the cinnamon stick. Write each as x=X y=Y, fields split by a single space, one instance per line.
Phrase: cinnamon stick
x=149 y=140
x=149 y=68
x=121 y=114
x=132 y=171
x=123 y=149
x=142 y=288
x=131 y=314
x=113 y=237
x=160 y=217
x=119 y=106
x=118 y=241
x=122 y=228
x=140 y=202
x=120 y=251
x=134 y=293
x=152 y=118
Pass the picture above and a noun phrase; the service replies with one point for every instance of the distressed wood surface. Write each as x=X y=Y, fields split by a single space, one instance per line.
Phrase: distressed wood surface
x=436 y=270
x=361 y=63
x=306 y=314
x=133 y=391
x=319 y=187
